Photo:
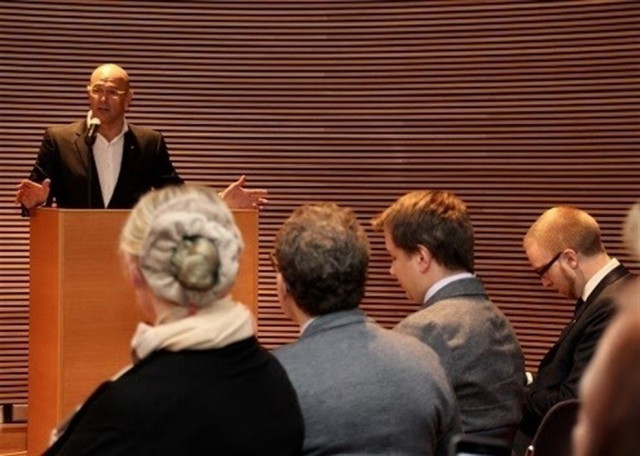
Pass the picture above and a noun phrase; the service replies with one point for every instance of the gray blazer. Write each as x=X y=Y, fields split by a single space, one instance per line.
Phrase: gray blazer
x=480 y=353
x=364 y=389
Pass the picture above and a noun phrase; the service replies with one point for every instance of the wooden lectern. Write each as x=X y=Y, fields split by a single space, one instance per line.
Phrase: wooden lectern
x=82 y=311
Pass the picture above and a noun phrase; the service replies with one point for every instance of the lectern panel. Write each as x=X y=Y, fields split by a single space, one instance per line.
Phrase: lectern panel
x=83 y=311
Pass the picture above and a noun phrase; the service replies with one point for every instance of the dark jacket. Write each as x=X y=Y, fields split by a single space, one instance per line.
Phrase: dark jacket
x=562 y=367
x=235 y=400
x=67 y=161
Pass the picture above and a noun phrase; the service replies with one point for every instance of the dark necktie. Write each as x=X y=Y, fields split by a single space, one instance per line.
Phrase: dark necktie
x=579 y=305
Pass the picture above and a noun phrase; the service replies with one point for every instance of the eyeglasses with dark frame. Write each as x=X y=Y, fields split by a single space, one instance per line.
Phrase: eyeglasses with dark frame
x=542 y=270
x=98 y=90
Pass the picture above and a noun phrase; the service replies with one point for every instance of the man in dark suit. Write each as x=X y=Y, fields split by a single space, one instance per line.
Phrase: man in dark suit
x=610 y=387
x=429 y=237
x=362 y=389
x=565 y=250
x=110 y=169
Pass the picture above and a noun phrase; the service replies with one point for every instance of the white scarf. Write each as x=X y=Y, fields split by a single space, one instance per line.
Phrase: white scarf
x=214 y=326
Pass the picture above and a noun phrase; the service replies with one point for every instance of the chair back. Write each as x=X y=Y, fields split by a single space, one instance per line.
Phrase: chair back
x=553 y=437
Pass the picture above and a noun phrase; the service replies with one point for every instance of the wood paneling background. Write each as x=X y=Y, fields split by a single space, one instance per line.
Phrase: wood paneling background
x=513 y=105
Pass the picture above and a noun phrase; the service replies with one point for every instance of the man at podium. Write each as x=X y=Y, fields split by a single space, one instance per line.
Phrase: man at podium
x=105 y=162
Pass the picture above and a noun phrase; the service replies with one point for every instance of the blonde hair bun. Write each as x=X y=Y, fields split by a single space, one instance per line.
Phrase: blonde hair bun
x=187 y=244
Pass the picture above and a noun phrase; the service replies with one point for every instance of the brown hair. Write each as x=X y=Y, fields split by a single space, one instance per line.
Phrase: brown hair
x=566 y=227
x=323 y=253
x=435 y=219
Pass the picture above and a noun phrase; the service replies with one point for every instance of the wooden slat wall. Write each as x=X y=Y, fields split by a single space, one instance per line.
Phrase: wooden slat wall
x=515 y=106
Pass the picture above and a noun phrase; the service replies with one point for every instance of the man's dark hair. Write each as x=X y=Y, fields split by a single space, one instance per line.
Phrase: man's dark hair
x=323 y=253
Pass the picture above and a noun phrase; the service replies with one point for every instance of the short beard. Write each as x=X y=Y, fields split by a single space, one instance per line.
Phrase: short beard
x=571 y=284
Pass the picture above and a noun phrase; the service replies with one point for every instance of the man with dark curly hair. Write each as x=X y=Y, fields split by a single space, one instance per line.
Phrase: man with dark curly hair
x=362 y=389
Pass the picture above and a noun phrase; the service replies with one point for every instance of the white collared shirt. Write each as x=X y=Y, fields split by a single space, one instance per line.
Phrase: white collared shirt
x=440 y=284
x=306 y=324
x=108 y=158
x=593 y=282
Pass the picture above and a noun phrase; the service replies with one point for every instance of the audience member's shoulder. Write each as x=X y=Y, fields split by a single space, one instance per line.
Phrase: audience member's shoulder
x=422 y=324
x=409 y=344
x=621 y=286
x=605 y=303
x=438 y=313
x=404 y=348
x=410 y=355
x=284 y=352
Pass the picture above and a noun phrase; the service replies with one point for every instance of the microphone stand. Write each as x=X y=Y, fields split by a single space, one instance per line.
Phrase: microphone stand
x=90 y=141
x=90 y=177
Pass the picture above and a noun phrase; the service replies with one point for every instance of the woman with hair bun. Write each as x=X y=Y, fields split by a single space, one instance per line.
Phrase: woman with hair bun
x=200 y=382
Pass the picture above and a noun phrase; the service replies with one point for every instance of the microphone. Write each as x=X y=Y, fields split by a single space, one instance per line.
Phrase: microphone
x=92 y=131
x=90 y=139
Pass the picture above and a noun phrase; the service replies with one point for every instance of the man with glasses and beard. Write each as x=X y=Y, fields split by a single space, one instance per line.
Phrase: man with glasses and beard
x=105 y=162
x=564 y=248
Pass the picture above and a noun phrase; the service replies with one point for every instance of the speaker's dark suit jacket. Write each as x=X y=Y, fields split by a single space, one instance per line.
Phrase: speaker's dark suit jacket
x=67 y=161
x=562 y=367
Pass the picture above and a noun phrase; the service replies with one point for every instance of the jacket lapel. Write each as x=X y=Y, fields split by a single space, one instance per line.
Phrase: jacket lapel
x=619 y=272
x=91 y=172
x=127 y=168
